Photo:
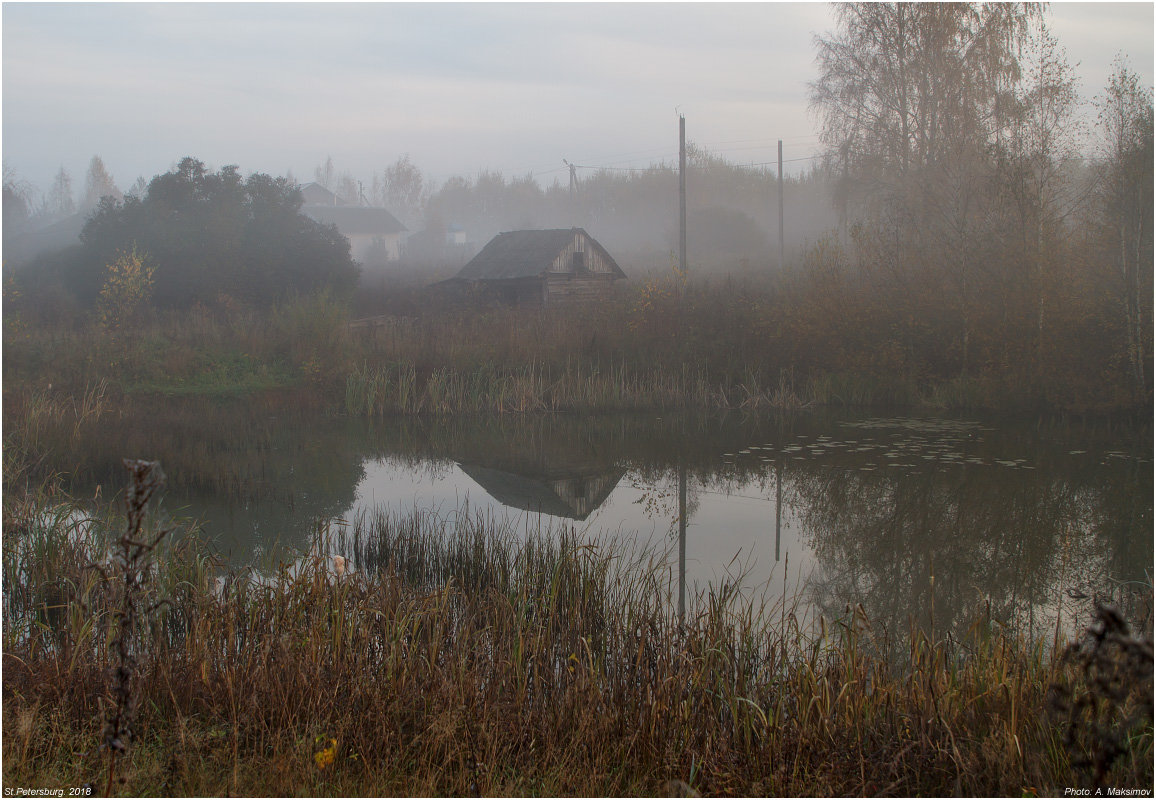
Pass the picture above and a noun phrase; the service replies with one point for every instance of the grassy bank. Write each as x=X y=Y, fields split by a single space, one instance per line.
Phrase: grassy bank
x=727 y=345
x=460 y=656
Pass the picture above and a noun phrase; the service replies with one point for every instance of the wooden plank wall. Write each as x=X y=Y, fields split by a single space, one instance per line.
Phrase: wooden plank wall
x=565 y=260
x=569 y=288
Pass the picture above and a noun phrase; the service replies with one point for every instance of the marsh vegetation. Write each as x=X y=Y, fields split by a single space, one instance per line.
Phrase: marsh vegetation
x=475 y=660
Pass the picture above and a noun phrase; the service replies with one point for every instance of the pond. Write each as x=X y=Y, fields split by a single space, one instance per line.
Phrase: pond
x=926 y=520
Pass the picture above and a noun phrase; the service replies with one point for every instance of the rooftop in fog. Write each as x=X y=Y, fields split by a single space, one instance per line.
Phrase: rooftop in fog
x=355 y=220
x=527 y=254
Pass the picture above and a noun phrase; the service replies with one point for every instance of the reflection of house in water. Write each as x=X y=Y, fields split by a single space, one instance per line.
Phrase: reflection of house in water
x=560 y=488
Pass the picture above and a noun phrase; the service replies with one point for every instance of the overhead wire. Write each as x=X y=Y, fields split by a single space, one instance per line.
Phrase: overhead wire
x=611 y=163
x=735 y=166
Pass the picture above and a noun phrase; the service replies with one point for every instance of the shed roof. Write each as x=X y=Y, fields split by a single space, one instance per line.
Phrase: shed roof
x=356 y=220
x=526 y=254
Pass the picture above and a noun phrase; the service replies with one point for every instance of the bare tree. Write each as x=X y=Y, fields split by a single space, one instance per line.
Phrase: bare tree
x=98 y=184
x=1036 y=156
x=60 y=202
x=140 y=188
x=325 y=174
x=17 y=201
x=348 y=189
x=403 y=190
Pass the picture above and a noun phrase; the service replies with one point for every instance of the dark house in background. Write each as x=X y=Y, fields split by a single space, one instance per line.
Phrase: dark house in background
x=541 y=268
x=374 y=234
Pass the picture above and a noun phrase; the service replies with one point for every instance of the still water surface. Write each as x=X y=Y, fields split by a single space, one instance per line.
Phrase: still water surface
x=909 y=516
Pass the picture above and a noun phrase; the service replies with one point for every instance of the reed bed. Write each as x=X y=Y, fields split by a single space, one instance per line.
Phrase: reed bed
x=449 y=655
x=533 y=388
x=728 y=345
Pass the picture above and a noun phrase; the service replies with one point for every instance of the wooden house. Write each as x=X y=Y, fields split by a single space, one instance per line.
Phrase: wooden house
x=542 y=267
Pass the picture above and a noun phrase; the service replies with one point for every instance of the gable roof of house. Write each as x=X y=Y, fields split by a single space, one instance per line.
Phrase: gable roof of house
x=526 y=254
x=317 y=195
x=356 y=220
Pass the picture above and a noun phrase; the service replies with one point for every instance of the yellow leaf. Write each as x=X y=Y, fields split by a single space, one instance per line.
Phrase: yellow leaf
x=326 y=756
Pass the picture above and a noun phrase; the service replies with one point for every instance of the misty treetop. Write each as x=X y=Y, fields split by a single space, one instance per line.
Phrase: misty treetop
x=953 y=137
x=212 y=233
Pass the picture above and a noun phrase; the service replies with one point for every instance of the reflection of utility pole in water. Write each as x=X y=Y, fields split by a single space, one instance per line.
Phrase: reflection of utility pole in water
x=681 y=542
x=778 y=504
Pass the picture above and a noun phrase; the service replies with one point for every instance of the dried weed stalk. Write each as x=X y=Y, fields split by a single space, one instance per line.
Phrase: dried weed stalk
x=131 y=567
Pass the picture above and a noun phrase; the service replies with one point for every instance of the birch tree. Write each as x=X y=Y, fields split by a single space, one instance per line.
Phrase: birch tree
x=1125 y=124
x=1036 y=158
x=911 y=99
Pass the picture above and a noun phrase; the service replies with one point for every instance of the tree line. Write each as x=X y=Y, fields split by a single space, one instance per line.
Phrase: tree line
x=196 y=236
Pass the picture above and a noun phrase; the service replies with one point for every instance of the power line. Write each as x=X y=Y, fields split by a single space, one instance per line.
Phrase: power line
x=711 y=149
x=755 y=143
x=657 y=167
x=786 y=160
x=651 y=168
x=737 y=149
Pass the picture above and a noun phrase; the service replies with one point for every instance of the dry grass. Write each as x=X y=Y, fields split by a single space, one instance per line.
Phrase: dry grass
x=727 y=345
x=464 y=657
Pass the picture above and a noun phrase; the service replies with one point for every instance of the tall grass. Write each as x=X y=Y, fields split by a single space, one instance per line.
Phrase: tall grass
x=461 y=655
x=530 y=388
x=726 y=346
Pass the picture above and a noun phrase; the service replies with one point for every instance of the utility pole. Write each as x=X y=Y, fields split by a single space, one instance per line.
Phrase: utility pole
x=781 y=245
x=682 y=195
x=573 y=177
x=573 y=183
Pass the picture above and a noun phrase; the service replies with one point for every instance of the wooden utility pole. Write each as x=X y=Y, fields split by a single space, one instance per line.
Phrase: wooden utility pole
x=573 y=177
x=781 y=245
x=573 y=182
x=682 y=195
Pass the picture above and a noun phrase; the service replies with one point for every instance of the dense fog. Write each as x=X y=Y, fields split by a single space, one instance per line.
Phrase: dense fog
x=732 y=213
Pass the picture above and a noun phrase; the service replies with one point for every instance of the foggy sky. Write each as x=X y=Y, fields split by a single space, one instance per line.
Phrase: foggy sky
x=515 y=88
